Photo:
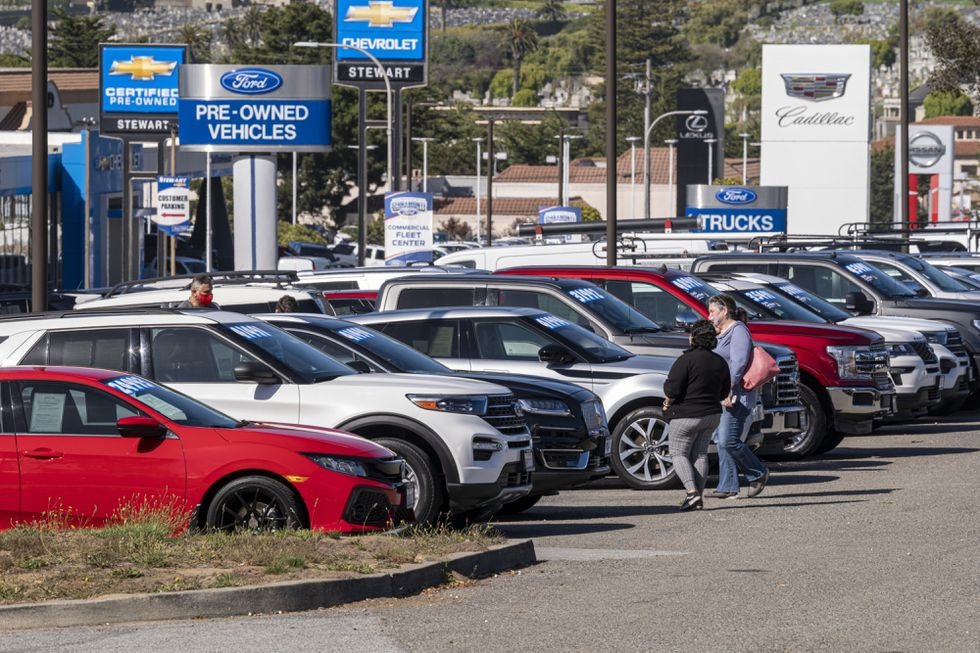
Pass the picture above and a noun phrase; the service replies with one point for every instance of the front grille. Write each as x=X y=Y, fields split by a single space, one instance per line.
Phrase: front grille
x=925 y=352
x=513 y=476
x=784 y=389
x=556 y=438
x=935 y=394
x=368 y=507
x=954 y=342
x=875 y=365
x=502 y=415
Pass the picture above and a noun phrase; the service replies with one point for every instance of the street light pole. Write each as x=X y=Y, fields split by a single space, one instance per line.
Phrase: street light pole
x=565 y=198
x=745 y=158
x=671 y=200
x=425 y=161
x=646 y=139
x=479 y=154
x=711 y=160
x=632 y=141
x=384 y=76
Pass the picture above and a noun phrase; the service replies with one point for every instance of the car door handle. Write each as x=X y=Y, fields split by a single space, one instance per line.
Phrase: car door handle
x=42 y=454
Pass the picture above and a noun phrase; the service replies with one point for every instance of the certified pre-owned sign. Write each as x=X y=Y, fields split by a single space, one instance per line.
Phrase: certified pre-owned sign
x=249 y=109
x=138 y=87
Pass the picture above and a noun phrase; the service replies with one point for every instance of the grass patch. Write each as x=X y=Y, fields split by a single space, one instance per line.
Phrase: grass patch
x=147 y=549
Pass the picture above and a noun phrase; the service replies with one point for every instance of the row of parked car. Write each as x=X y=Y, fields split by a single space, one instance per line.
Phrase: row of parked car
x=485 y=391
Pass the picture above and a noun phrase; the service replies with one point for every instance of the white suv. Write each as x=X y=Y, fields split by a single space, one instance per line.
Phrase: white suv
x=465 y=443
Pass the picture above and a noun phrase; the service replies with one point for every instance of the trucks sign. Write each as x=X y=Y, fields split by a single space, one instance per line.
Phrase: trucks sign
x=393 y=31
x=251 y=109
x=737 y=209
x=138 y=87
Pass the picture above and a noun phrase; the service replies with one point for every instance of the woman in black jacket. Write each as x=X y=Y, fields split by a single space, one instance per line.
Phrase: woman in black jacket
x=695 y=387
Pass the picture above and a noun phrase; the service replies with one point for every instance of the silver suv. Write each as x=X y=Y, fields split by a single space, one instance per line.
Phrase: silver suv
x=530 y=341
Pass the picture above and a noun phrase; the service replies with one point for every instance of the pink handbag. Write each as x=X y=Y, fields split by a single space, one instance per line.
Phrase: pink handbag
x=762 y=369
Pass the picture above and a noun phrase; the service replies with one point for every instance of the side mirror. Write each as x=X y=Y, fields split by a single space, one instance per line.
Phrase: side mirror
x=138 y=426
x=555 y=355
x=685 y=319
x=257 y=372
x=360 y=367
x=857 y=302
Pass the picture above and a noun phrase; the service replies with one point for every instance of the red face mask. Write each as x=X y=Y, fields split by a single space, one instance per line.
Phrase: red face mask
x=205 y=299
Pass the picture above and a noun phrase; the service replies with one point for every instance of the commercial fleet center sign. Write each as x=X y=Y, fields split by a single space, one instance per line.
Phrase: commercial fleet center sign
x=227 y=108
x=816 y=127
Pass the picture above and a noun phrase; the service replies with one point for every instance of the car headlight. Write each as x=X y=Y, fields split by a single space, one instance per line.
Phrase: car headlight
x=554 y=407
x=339 y=465
x=937 y=337
x=857 y=362
x=900 y=349
x=595 y=416
x=470 y=404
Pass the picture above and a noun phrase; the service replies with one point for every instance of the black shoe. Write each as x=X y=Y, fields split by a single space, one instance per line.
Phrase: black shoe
x=692 y=502
x=756 y=487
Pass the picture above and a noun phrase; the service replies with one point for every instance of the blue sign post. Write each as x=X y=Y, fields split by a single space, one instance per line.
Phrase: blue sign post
x=393 y=31
x=737 y=209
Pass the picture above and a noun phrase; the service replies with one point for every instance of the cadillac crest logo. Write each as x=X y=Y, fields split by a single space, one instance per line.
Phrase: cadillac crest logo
x=815 y=87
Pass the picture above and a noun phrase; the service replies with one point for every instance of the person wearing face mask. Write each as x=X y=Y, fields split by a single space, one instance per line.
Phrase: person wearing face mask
x=734 y=456
x=201 y=293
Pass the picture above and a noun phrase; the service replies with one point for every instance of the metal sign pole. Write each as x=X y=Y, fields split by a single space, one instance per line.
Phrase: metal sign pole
x=362 y=173
x=173 y=173
x=207 y=213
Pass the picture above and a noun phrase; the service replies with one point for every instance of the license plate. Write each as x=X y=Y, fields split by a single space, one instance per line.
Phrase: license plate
x=409 y=495
x=607 y=447
x=528 y=459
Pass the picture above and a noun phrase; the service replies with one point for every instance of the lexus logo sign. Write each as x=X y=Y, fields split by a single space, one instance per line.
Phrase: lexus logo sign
x=696 y=123
x=925 y=149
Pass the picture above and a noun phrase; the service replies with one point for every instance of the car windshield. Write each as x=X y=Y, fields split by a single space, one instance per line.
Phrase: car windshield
x=392 y=354
x=769 y=304
x=614 y=312
x=942 y=280
x=173 y=405
x=877 y=279
x=576 y=338
x=697 y=288
x=818 y=305
x=303 y=359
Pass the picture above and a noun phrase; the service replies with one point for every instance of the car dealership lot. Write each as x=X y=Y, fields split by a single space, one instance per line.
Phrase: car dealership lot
x=869 y=548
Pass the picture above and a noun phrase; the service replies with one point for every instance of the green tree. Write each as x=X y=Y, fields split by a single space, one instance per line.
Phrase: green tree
x=882 y=186
x=199 y=40
x=947 y=103
x=719 y=22
x=519 y=37
x=882 y=52
x=957 y=63
x=456 y=229
x=941 y=19
x=840 y=8
x=502 y=84
x=552 y=11
x=289 y=231
x=8 y=60
x=525 y=98
x=589 y=212
x=375 y=230
x=74 y=40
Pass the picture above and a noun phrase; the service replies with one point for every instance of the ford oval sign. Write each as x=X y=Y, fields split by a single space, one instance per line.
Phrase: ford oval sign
x=735 y=195
x=250 y=81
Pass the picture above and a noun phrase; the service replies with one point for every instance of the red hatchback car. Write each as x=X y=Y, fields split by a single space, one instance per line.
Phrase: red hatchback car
x=85 y=442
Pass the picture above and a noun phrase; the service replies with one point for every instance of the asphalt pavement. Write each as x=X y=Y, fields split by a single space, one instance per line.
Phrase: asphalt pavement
x=873 y=547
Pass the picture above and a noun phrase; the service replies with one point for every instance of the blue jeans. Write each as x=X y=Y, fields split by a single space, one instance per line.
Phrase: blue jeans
x=733 y=454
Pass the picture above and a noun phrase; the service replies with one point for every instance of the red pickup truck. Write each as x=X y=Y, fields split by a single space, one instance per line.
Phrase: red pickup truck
x=845 y=384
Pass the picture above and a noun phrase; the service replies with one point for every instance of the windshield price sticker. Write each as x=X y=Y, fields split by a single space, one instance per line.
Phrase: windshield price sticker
x=250 y=332
x=694 y=286
x=585 y=295
x=763 y=297
x=130 y=385
x=859 y=268
x=551 y=322
x=355 y=334
x=797 y=292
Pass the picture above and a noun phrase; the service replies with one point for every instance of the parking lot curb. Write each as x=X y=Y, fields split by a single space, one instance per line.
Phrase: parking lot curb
x=290 y=596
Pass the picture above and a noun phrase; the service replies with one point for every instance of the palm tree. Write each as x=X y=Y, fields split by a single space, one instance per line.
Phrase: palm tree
x=521 y=38
x=552 y=11
x=198 y=39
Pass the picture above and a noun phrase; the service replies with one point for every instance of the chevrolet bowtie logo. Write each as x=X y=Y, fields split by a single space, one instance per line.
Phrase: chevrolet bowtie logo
x=381 y=14
x=143 y=68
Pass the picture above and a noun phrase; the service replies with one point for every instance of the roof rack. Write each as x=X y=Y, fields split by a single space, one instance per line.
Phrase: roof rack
x=971 y=228
x=56 y=315
x=788 y=242
x=183 y=281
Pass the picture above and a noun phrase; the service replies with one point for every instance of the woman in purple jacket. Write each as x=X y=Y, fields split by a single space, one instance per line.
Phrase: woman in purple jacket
x=735 y=346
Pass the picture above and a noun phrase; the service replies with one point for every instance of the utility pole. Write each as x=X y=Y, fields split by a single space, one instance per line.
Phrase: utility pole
x=611 y=172
x=646 y=141
x=39 y=152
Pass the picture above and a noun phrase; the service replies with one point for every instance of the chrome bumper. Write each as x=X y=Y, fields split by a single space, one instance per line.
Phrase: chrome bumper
x=863 y=401
x=781 y=421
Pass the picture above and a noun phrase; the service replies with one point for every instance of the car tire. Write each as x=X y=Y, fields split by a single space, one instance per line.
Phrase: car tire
x=830 y=441
x=428 y=490
x=640 y=455
x=254 y=503
x=814 y=431
x=522 y=504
